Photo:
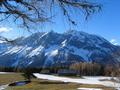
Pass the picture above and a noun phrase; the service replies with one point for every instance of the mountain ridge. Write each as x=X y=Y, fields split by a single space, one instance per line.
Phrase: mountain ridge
x=45 y=49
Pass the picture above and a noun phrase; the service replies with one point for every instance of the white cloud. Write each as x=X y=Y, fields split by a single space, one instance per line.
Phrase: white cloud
x=2 y=41
x=114 y=41
x=5 y=29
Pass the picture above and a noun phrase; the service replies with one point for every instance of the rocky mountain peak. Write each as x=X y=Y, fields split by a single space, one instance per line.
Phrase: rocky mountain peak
x=48 y=48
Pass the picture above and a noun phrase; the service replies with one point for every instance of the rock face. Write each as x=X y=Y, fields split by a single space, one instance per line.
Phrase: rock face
x=50 y=48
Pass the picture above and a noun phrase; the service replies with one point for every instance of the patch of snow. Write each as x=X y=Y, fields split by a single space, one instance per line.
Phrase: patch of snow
x=1 y=41
x=2 y=87
x=44 y=34
x=53 y=53
x=52 y=50
x=36 y=51
x=114 y=41
x=81 y=52
x=64 y=43
x=3 y=72
x=89 y=89
x=84 y=80
x=14 y=50
x=30 y=62
x=65 y=79
x=49 y=53
x=21 y=53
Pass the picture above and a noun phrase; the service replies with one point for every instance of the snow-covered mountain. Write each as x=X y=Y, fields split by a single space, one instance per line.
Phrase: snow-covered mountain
x=44 y=49
x=4 y=45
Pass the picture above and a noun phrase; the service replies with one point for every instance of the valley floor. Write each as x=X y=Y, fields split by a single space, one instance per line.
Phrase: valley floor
x=49 y=84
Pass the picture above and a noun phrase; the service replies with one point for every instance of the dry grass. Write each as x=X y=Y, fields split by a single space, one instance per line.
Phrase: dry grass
x=38 y=84
x=9 y=78
x=53 y=85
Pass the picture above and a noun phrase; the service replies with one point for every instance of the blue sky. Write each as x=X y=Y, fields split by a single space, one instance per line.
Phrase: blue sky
x=106 y=24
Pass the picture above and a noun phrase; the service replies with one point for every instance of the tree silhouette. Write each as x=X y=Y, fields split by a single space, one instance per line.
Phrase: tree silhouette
x=28 y=12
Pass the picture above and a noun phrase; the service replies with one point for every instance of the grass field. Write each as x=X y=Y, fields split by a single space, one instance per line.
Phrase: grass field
x=9 y=78
x=38 y=84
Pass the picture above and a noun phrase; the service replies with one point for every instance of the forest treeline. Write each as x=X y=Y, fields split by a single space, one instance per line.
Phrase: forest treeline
x=81 y=69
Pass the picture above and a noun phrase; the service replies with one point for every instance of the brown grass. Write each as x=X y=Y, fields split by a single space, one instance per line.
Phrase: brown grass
x=38 y=84
x=9 y=78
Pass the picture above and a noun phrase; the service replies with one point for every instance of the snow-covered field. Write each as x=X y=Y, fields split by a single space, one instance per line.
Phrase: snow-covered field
x=3 y=72
x=6 y=72
x=3 y=87
x=85 y=80
x=89 y=89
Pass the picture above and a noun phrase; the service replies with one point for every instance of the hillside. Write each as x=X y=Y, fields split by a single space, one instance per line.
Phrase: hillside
x=45 y=49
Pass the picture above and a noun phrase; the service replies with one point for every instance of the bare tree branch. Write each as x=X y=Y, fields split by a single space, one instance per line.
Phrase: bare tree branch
x=38 y=11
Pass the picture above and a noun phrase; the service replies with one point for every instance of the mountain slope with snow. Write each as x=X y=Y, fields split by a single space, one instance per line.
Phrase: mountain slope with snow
x=45 y=49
